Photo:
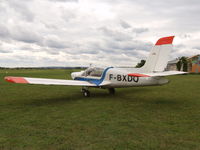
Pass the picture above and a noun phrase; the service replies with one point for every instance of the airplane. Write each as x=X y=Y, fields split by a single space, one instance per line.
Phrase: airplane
x=151 y=74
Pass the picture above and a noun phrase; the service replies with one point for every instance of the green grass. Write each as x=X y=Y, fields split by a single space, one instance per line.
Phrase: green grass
x=59 y=117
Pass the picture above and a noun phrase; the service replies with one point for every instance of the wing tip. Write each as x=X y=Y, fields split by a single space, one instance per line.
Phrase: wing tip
x=15 y=79
x=165 y=40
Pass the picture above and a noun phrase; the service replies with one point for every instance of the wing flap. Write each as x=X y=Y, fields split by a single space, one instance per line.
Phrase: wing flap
x=47 y=81
x=157 y=74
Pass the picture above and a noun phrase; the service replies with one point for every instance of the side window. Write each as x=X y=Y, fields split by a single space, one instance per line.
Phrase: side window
x=96 y=72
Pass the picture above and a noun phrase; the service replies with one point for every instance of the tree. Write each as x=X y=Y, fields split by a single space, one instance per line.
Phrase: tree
x=182 y=64
x=141 y=63
x=185 y=64
x=178 y=65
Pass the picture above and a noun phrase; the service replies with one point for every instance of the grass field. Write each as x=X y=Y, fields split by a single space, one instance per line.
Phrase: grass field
x=36 y=117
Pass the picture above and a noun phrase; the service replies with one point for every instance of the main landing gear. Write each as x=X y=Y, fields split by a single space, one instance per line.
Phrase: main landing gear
x=86 y=91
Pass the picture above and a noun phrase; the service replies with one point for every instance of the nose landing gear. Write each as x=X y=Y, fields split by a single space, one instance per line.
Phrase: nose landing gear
x=85 y=92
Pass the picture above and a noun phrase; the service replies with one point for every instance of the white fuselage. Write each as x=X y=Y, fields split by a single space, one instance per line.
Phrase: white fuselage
x=118 y=77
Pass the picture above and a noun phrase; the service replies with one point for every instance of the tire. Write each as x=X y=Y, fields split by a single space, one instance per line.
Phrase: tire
x=86 y=93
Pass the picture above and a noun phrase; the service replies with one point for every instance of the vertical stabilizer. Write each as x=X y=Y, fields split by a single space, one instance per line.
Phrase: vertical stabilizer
x=159 y=55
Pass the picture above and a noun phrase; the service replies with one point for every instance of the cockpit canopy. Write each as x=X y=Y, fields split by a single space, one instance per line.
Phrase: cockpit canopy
x=93 y=71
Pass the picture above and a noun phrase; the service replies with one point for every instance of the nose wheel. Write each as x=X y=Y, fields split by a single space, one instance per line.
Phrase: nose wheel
x=85 y=92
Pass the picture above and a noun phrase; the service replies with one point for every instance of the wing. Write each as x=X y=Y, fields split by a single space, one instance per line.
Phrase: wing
x=157 y=74
x=44 y=81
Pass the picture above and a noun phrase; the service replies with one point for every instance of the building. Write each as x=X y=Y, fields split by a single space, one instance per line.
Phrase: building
x=171 y=66
x=194 y=64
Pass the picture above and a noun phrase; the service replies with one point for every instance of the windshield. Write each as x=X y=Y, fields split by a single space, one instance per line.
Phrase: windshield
x=96 y=72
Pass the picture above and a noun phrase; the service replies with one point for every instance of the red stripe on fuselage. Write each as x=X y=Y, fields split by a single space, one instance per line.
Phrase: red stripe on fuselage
x=137 y=75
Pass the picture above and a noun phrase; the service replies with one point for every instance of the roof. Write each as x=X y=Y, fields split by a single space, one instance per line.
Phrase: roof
x=193 y=56
x=173 y=61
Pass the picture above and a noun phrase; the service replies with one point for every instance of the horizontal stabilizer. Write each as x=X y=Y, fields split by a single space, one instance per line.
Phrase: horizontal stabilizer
x=157 y=74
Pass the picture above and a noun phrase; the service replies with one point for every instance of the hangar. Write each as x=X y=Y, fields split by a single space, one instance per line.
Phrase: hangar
x=194 y=64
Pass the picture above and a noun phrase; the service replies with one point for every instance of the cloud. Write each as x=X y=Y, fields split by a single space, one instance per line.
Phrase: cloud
x=125 y=24
x=21 y=8
x=55 y=42
x=19 y=33
x=117 y=35
x=64 y=0
x=140 y=30
x=24 y=35
x=4 y=33
x=80 y=32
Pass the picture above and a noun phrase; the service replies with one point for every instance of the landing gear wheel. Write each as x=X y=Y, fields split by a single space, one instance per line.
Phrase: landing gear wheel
x=86 y=93
x=111 y=91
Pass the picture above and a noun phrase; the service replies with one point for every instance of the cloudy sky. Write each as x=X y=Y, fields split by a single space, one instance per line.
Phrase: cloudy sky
x=102 y=32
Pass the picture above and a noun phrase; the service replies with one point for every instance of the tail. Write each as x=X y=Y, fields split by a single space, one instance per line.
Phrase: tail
x=159 y=55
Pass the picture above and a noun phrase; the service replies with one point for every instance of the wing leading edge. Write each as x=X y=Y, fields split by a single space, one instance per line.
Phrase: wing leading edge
x=44 y=81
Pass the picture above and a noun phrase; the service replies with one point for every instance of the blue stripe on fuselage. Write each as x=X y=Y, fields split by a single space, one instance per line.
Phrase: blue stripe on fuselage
x=95 y=81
